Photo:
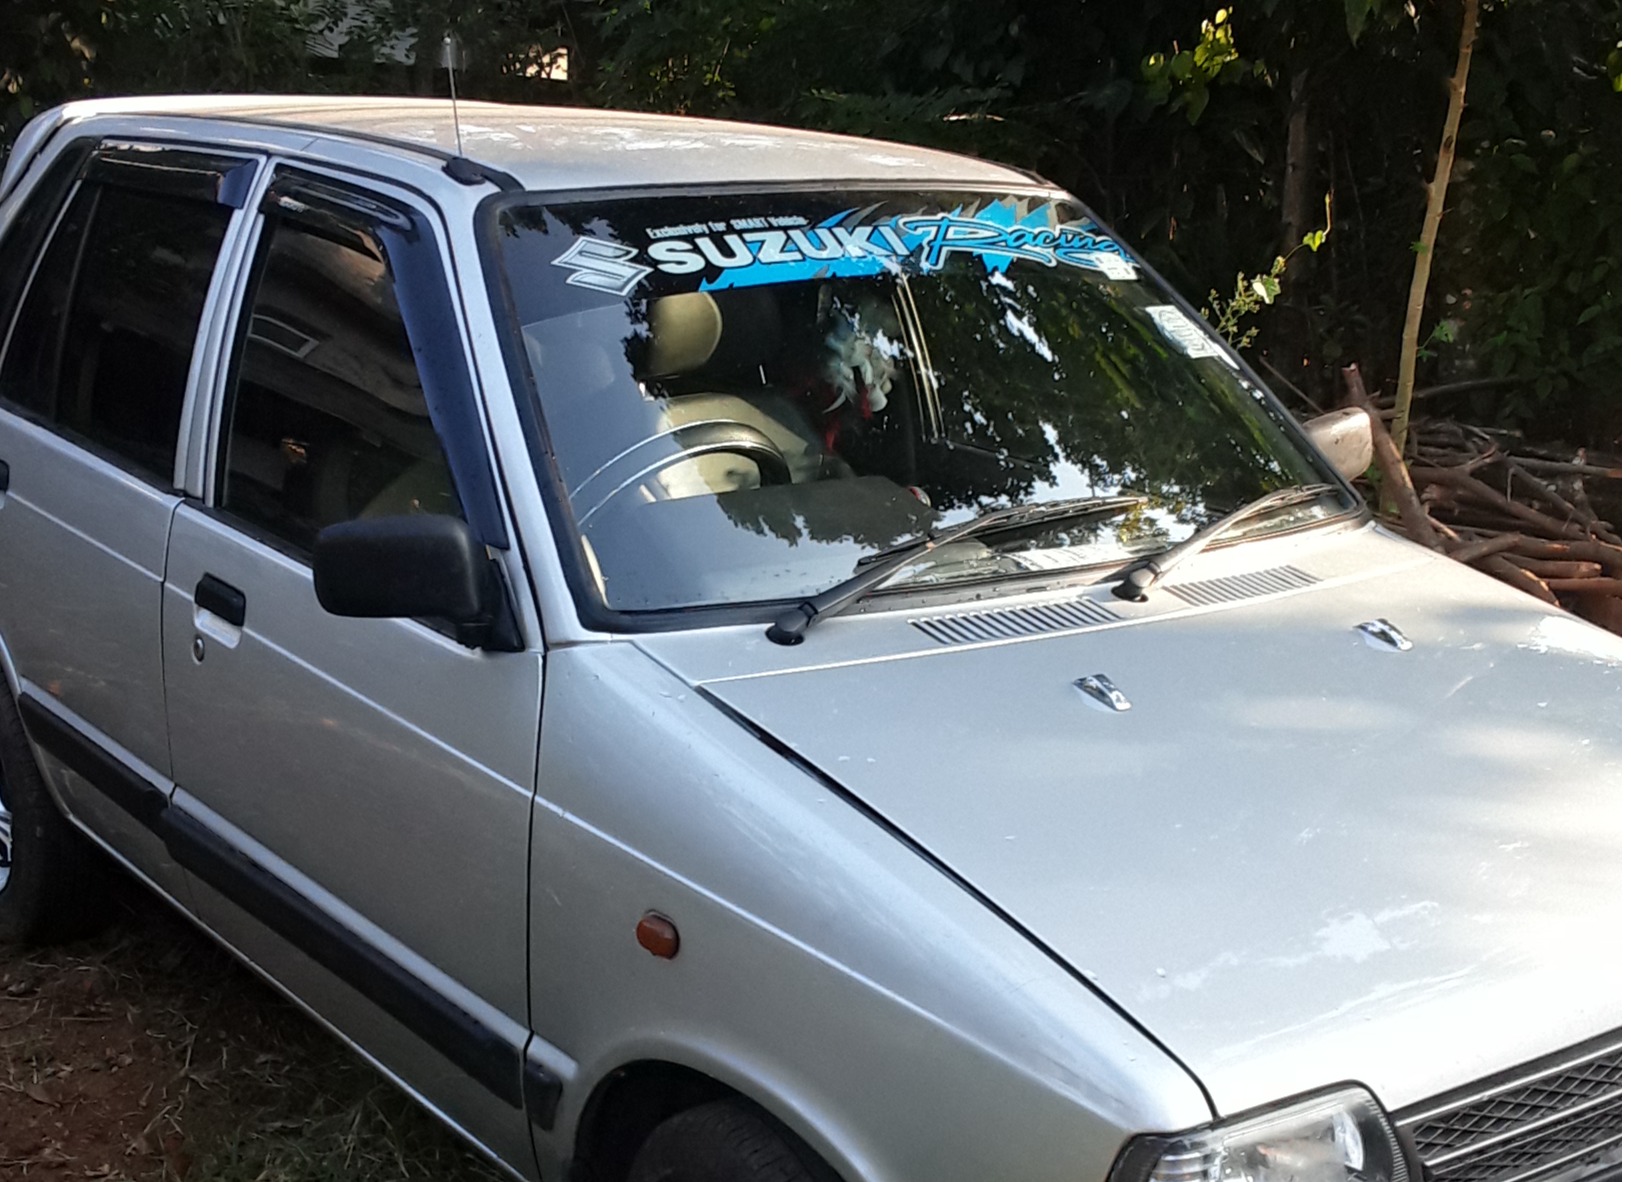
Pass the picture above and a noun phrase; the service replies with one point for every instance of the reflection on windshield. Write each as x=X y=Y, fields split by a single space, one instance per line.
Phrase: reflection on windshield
x=745 y=396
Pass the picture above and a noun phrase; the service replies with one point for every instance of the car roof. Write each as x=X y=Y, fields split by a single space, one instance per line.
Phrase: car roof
x=559 y=148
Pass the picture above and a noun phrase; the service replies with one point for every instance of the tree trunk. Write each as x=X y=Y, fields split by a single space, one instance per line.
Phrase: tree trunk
x=1297 y=190
x=1429 y=227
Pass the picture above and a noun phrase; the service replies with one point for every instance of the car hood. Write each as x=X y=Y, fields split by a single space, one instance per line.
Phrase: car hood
x=1300 y=855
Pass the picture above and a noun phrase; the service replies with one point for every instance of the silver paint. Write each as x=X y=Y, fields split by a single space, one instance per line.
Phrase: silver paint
x=1290 y=856
x=1299 y=860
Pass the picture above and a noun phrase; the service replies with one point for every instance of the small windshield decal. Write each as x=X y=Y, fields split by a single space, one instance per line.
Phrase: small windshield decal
x=603 y=266
x=1179 y=328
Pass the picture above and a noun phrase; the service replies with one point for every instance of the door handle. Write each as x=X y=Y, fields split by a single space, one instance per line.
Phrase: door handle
x=5 y=476
x=221 y=599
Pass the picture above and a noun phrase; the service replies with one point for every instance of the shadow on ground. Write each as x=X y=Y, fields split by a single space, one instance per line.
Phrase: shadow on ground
x=147 y=1054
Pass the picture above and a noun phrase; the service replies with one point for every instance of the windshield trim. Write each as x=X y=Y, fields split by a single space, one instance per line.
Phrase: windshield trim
x=592 y=610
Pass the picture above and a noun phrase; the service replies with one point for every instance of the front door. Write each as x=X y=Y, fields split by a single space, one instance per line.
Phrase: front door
x=358 y=789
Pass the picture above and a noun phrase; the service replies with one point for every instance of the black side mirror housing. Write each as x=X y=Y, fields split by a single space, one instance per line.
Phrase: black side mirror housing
x=423 y=566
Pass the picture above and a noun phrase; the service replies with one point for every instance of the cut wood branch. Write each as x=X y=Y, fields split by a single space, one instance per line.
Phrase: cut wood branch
x=1398 y=493
x=1462 y=387
x=1586 y=586
x=1463 y=516
x=1566 y=468
x=1602 y=610
x=1600 y=531
x=1545 y=492
x=1454 y=538
x=1497 y=565
x=1486 y=547
x=1479 y=492
x=1585 y=551
x=1552 y=568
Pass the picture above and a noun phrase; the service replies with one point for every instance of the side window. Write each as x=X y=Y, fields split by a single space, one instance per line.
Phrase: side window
x=28 y=228
x=327 y=419
x=105 y=336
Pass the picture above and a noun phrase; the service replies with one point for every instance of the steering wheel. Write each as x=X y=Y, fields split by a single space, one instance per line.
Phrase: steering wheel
x=706 y=438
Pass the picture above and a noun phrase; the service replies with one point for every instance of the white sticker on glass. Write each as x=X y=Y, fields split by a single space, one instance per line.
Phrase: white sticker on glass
x=1177 y=326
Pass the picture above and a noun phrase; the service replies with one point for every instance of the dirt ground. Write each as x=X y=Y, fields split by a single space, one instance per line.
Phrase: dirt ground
x=146 y=1054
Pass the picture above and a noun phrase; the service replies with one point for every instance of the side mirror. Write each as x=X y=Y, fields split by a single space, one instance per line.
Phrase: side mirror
x=1344 y=438
x=418 y=567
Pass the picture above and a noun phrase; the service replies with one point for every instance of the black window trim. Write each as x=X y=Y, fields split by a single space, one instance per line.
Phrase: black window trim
x=85 y=145
x=424 y=296
x=592 y=610
x=220 y=178
x=214 y=177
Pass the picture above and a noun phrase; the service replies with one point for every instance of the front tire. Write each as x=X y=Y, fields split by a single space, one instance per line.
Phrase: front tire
x=53 y=882
x=724 y=1141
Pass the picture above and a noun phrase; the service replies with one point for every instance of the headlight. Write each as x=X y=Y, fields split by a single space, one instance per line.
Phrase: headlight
x=1342 y=1136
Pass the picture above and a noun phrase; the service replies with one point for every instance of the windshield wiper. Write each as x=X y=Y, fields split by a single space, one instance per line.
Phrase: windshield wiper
x=1135 y=582
x=790 y=626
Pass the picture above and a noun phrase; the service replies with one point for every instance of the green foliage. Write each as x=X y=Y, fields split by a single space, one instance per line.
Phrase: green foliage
x=1251 y=296
x=1183 y=81
x=46 y=55
x=1177 y=120
x=1531 y=276
x=203 y=45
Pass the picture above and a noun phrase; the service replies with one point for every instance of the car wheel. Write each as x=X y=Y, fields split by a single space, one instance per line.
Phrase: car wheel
x=53 y=882
x=725 y=1141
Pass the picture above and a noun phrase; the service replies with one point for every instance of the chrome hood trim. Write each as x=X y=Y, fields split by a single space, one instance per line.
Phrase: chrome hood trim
x=1302 y=856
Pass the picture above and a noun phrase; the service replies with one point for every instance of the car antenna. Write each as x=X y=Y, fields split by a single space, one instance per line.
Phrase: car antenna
x=459 y=166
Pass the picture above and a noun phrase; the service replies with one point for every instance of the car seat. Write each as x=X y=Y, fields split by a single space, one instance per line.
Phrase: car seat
x=709 y=354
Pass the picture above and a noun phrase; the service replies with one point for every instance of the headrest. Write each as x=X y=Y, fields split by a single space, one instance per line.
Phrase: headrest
x=685 y=331
x=722 y=332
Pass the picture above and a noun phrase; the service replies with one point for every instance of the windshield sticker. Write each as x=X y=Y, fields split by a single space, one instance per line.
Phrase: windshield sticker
x=1065 y=557
x=603 y=266
x=749 y=251
x=996 y=243
x=1177 y=326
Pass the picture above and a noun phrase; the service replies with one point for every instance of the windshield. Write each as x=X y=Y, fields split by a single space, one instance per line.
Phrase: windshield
x=745 y=396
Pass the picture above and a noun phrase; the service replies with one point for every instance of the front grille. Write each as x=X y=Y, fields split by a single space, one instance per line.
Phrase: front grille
x=1555 y=1117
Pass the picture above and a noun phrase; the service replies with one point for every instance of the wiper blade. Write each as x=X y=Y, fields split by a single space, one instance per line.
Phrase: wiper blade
x=1135 y=582
x=790 y=626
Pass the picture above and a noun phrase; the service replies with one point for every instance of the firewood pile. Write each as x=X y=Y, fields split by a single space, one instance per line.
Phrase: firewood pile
x=1542 y=518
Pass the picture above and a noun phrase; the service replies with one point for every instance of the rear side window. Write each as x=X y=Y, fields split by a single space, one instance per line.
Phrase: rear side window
x=33 y=221
x=328 y=416
x=105 y=337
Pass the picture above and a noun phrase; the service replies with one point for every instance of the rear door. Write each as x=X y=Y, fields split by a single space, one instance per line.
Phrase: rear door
x=97 y=367
x=355 y=793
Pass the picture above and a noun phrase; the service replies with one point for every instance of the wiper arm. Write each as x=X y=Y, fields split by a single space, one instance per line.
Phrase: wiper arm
x=790 y=626
x=1136 y=581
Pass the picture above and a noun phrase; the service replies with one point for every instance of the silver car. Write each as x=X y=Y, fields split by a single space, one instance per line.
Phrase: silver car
x=707 y=652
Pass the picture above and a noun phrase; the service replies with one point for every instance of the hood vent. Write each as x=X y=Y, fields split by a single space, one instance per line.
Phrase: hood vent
x=1273 y=581
x=1007 y=623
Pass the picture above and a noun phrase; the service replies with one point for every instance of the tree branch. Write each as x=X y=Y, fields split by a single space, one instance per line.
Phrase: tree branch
x=1429 y=227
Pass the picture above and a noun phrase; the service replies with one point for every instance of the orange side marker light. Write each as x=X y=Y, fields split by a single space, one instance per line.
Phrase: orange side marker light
x=658 y=935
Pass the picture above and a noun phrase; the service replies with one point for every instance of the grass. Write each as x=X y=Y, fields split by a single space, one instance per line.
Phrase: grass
x=234 y=1083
